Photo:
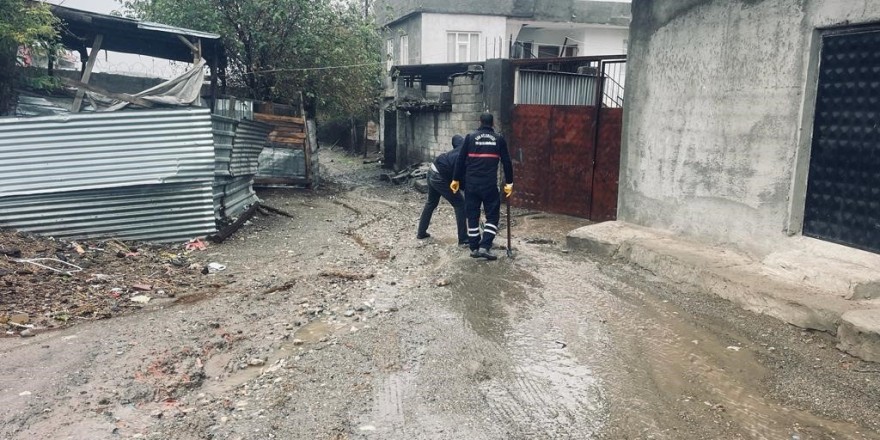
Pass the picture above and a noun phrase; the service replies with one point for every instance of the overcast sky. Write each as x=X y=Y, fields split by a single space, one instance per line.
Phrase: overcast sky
x=124 y=63
x=102 y=6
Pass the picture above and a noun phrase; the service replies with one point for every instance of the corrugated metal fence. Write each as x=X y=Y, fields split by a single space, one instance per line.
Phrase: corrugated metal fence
x=140 y=175
x=556 y=88
x=238 y=146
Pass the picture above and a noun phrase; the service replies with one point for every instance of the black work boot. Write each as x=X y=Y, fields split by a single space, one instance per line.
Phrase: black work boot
x=486 y=253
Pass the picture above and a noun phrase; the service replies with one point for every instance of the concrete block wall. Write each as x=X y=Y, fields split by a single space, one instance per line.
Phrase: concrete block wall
x=718 y=121
x=422 y=136
x=467 y=103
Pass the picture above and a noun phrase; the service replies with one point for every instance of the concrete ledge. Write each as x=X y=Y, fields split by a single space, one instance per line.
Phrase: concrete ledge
x=859 y=334
x=845 y=272
x=606 y=238
x=744 y=280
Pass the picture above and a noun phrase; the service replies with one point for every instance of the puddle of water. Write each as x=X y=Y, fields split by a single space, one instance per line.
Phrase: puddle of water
x=484 y=291
x=315 y=331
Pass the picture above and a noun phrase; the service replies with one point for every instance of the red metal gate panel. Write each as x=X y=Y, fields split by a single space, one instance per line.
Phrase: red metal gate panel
x=552 y=148
x=553 y=152
x=607 y=169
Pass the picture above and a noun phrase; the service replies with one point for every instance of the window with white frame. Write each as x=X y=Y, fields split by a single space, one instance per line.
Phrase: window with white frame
x=462 y=47
x=389 y=54
x=404 y=50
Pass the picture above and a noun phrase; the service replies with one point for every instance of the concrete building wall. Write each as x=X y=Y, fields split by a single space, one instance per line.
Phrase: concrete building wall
x=718 y=120
x=412 y=28
x=614 y=12
x=492 y=29
x=590 y=40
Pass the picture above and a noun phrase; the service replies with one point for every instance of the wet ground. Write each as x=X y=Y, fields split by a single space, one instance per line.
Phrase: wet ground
x=339 y=324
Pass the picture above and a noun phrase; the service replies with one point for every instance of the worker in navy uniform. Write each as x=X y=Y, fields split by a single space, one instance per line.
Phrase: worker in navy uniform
x=439 y=178
x=478 y=166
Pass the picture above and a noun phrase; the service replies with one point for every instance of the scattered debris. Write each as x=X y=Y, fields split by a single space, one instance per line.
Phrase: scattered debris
x=539 y=240
x=276 y=210
x=11 y=252
x=286 y=286
x=352 y=276
x=37 y=262
x=416 y=171
x=141 y=299
x=215 y=267
x=734 y=348
x=196 y=244
x=51 y=283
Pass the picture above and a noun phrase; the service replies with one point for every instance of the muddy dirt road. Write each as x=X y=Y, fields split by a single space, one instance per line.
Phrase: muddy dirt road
x=339 y=324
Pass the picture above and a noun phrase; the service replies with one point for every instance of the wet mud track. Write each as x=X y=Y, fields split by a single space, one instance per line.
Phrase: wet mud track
x=339 y=324
x=547 y=345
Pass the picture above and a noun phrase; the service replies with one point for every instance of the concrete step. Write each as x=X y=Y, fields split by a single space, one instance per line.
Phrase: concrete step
x=838 y=270
x=821 y=301
x=859 y=334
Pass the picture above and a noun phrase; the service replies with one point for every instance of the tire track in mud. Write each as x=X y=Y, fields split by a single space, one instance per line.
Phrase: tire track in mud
x=700 y=386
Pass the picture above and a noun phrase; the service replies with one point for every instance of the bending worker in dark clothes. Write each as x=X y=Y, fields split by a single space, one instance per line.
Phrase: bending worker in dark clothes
x=478 y=166
x=439 y=178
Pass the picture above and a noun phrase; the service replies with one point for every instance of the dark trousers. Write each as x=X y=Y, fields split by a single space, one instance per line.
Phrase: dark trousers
x=487 y=197
x=437 y=188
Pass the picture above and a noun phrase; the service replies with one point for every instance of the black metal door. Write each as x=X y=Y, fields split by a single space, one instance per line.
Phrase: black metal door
x=389 y=136
x=843 y=189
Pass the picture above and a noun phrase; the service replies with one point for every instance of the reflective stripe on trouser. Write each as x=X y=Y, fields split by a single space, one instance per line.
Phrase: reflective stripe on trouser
x=488 y=198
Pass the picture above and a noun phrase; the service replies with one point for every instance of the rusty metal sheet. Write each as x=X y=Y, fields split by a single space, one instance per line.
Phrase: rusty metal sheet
x=552 y=148
x=528 y=148
x=569 y=171
x=607 y=167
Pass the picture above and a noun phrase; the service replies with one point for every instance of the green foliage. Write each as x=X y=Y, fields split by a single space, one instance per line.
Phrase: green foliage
x=42 y=83
x=26 y=23
x=278 y=48
x=22 y=23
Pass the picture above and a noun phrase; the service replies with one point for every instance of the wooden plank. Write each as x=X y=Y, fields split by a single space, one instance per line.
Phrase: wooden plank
x=294 y=136
x=287 y=145
x=101 y=91
x=288 y=130
x=281 y=181
x=188 y=43
x=229 y=230
x=286 y=140
x=263 y=117
x=93 y=57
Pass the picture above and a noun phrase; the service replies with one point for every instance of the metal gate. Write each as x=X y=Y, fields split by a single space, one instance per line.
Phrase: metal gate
x=567 y=157
x=843 y=189
x=557 y=164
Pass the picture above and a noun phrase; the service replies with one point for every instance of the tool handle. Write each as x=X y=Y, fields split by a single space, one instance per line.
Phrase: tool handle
x=509 y=248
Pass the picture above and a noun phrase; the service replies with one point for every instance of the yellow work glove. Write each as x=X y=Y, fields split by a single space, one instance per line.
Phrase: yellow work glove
x=454 y=186
x=508 y=189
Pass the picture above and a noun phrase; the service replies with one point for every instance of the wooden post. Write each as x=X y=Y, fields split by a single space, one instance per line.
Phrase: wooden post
x=93 y=56
x=214 y=72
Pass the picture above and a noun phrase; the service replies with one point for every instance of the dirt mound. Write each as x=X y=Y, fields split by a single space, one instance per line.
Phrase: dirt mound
x=47 y=283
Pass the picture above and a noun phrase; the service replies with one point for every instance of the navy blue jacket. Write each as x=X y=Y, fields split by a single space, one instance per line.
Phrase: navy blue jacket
x=445 y=163
x=478 y=161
